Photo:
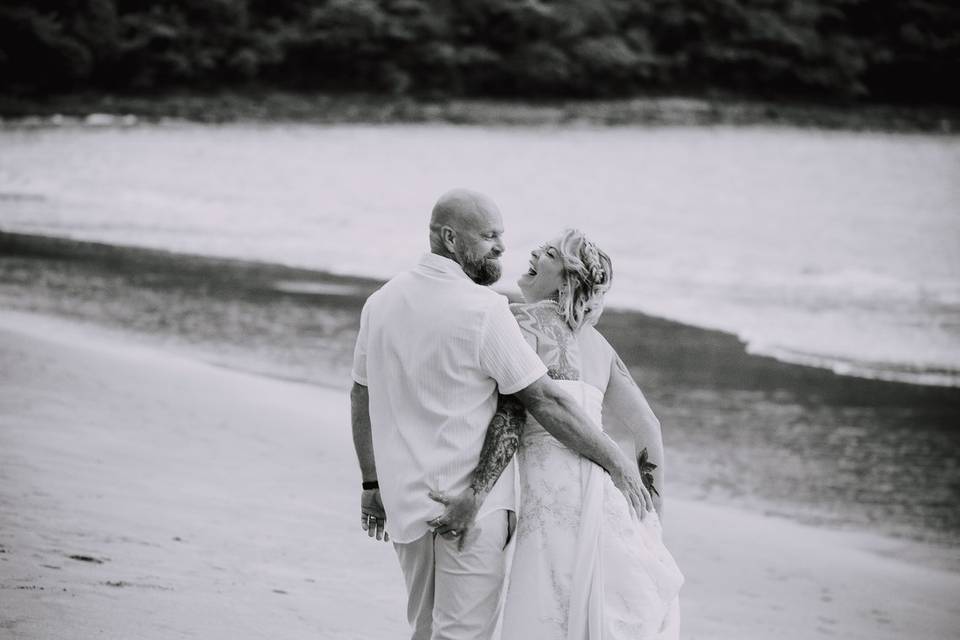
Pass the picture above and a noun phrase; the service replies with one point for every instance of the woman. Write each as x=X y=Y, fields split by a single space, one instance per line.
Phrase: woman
x=583 y=568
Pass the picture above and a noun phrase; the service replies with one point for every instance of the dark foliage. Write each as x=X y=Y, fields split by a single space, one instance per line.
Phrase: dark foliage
x=906 y=51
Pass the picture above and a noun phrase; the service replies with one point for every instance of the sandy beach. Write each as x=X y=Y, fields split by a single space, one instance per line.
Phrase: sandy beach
x=147 y=495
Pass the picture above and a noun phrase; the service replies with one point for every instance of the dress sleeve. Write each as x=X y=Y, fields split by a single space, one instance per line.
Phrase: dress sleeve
x=359 y=371
x=504 y=354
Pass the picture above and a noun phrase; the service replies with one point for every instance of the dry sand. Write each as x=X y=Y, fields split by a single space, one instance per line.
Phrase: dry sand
x=145 y=495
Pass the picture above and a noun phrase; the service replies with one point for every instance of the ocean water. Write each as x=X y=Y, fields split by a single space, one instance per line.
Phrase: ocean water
x=835 y=249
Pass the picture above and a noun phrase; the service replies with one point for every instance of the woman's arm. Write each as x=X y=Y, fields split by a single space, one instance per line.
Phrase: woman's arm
x=626 y=410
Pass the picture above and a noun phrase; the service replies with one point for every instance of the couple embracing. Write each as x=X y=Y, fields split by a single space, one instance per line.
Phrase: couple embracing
x=484 y=433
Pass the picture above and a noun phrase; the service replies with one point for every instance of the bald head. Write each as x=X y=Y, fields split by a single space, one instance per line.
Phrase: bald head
x=462 y=208
x=466 y=227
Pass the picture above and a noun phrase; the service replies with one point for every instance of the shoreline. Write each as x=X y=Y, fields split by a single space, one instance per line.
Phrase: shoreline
x=144 y=493
x=284 y=106
x=742 y=429
x=731 y=359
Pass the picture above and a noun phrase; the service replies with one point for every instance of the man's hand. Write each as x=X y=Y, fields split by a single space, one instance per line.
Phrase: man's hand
x=627 y=479
x=373 y=518
x=456 y=521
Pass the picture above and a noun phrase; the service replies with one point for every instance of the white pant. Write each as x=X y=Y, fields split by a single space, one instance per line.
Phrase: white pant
x=457 y=595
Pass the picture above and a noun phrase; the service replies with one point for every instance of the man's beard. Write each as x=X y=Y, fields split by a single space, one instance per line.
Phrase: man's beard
x=481 y=269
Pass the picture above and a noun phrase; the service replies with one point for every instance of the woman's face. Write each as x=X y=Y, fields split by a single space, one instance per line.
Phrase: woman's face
x=543 y=280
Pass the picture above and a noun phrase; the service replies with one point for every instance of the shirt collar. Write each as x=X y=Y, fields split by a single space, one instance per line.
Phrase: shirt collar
x=441 y=265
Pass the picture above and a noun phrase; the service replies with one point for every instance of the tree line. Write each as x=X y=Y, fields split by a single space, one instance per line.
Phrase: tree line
x=901 y=51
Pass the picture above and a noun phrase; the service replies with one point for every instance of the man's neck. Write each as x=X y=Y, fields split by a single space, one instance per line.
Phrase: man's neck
x=443 y=253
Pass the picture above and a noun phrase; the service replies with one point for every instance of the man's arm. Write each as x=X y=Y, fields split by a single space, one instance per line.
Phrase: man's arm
x=499 y=446
x=362 y=435
x=373 y=519
x=511 y=362
x=563 y=418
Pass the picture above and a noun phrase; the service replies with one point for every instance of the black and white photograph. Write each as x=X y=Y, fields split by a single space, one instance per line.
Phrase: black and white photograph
x=480 y=319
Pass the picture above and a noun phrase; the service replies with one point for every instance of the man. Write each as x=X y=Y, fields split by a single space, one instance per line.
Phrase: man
x=435 y=346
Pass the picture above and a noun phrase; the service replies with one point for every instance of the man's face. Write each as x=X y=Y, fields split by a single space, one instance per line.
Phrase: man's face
x=478 y=248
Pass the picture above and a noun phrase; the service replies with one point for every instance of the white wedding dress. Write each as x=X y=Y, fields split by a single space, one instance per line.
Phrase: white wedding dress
x=583 y=569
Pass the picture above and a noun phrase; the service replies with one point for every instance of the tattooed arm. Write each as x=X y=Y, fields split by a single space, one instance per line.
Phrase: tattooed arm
x=499 y=447
x=626 y=410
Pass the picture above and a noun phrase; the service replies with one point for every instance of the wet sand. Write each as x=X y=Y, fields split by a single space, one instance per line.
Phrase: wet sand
x=740 y=429
x=144 y=494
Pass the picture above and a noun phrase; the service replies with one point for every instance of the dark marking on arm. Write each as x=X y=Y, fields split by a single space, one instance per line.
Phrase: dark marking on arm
x=646 y=471
x=500 y=444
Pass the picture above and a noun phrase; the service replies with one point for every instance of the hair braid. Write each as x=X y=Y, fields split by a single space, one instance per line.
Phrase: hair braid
x=588 y=274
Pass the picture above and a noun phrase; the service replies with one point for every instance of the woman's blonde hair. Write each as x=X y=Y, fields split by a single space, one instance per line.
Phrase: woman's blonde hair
x=587 y=275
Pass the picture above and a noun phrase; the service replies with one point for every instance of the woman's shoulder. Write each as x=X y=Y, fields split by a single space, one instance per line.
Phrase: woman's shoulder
x=596 y=357
x=594 y=342
x=592 y=335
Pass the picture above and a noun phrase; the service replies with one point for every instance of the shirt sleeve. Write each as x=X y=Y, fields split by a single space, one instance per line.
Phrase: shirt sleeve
x=504 y=354
x=359 y=371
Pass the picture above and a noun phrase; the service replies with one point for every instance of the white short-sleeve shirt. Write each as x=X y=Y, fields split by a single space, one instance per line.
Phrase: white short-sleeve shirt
x=434 y=349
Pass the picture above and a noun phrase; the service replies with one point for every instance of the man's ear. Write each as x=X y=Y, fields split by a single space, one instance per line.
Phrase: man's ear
x=448 y=236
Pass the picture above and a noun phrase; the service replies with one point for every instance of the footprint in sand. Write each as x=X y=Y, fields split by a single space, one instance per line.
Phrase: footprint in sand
x=880 y=616
x=83 y=558
x=136 y=585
